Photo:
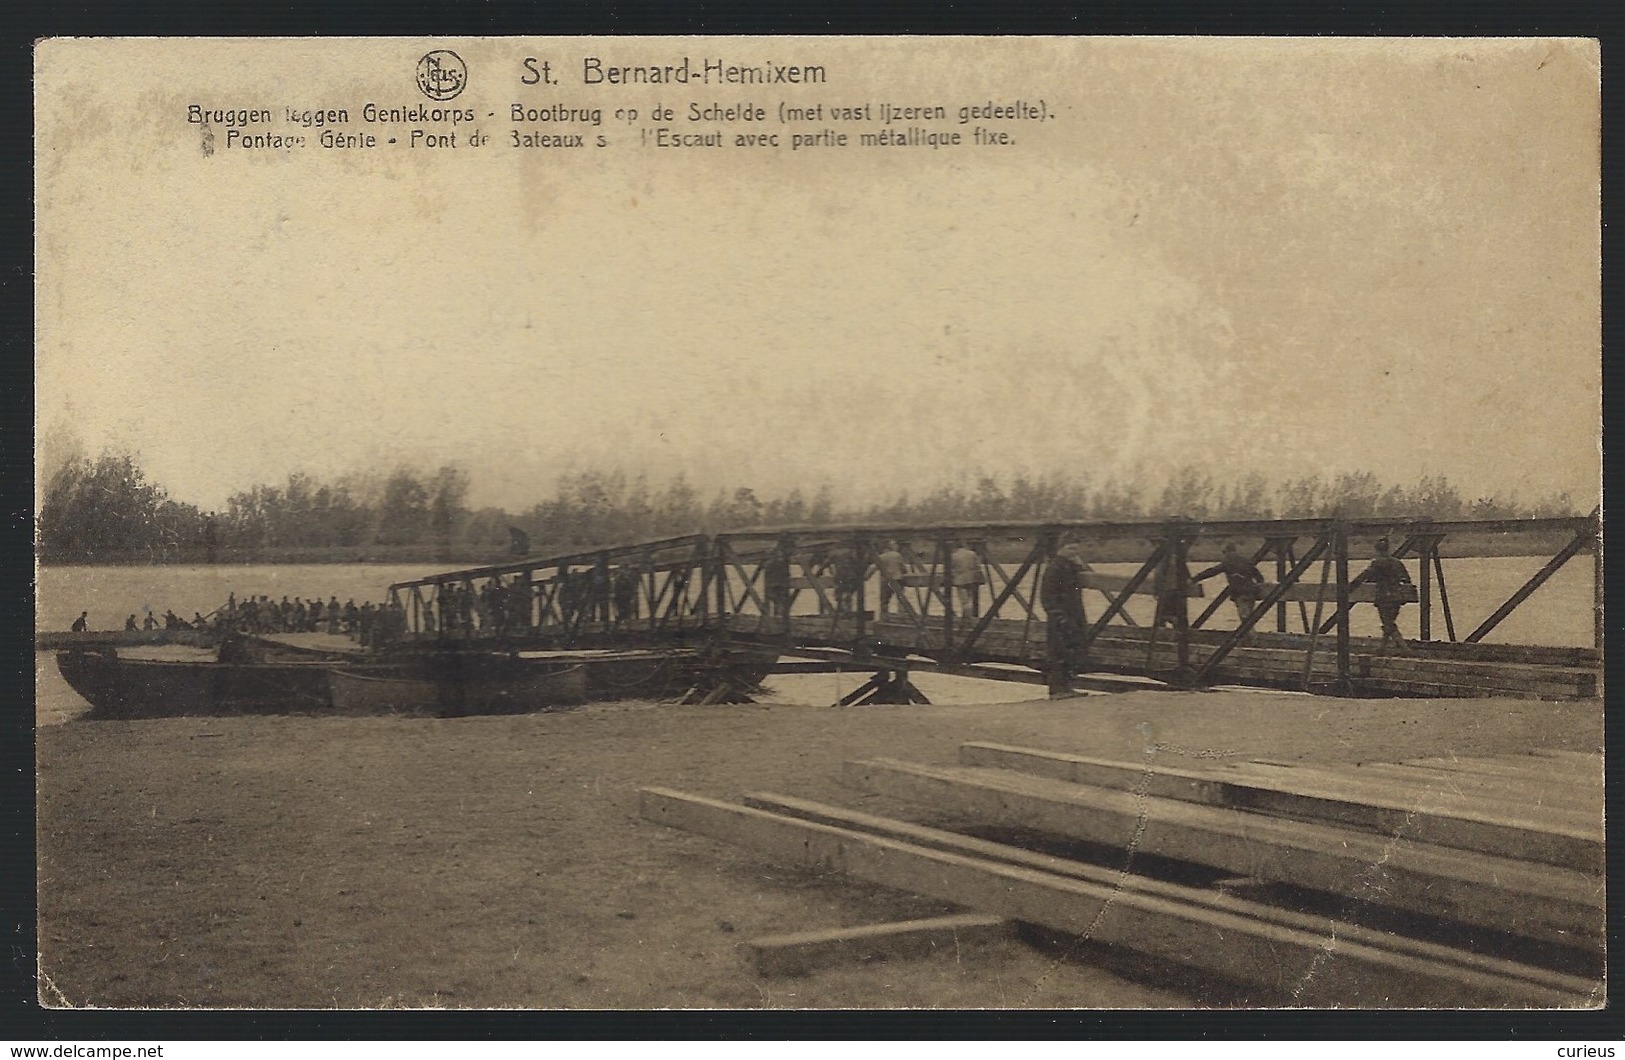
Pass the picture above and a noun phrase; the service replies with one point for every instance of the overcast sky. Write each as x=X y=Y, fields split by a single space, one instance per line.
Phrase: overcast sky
x=1286 y=257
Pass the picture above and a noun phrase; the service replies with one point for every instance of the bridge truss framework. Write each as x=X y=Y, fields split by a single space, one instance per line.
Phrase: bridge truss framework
x=966 y=600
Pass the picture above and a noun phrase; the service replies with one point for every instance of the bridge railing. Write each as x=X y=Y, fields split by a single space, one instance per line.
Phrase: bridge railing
x=653 y=586
x=971 y=592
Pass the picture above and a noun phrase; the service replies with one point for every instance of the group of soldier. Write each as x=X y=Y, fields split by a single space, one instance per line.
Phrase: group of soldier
x=1061 y=594
x=370 y=624
x=170 y=621
x=597 y=593
x=847 y=572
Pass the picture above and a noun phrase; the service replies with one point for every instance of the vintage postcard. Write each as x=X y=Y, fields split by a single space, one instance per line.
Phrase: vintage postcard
x=877 y=523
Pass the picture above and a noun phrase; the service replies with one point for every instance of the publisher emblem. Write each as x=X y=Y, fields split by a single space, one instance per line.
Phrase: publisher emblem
x=442 y=75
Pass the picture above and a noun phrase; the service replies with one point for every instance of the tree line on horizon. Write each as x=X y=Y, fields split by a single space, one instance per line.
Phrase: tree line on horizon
x=107 y=507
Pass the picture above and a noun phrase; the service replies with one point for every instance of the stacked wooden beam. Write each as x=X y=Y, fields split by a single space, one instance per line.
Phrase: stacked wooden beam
x=1532 y=818
x=1416 y=849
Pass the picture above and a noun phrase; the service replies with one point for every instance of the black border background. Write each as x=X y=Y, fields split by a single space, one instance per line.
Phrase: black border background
x=22 y=1018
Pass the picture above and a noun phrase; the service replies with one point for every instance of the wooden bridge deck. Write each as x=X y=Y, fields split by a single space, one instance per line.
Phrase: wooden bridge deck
x=1272 y=660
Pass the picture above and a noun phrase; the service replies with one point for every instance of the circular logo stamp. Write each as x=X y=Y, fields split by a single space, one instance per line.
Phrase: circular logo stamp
x=442 y=74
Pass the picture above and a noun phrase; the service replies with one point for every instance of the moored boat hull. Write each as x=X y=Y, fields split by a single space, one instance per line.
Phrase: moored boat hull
x=139 y=688
x=353 y=692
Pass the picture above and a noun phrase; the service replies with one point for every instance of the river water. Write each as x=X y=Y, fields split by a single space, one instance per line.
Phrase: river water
x=1559 y=613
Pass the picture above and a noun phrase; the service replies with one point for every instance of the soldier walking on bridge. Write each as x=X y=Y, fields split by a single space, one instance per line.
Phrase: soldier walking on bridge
x=1171 y=609
x=776 y=579
x=628 y=578
x=1390 y=578
x=519 y=599
x=965 y=566
x=1061 y=593
x=892 y=567
x=1242 y=578
x=849 y=573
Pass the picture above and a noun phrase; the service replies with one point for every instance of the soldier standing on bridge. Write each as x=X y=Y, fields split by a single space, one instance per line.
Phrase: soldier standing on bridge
x=1061 y=593
x=519 y=598
x=493 y=605
x=776 y=578
x=966 y=568
x=627 y=580
x=892 y=567
x=849 y=572
x=1171 y=594
x=1390 y=578
x=1242 y=578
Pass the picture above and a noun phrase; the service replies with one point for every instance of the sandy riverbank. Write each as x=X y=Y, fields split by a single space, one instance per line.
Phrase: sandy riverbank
x=500 y=861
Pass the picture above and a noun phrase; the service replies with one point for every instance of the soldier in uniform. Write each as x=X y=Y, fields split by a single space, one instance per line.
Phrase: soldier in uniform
x=849 y=572
x=1061 y=593
x=627 y=578
x=776 y=579
x=1389 y=576
x=965 y=567
x=1241 y=576
x=496 y=605
x=1170 y=601
x=892 y=567
x=519 y=597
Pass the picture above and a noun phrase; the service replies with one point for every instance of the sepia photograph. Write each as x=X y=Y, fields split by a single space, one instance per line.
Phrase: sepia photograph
x=819 y=523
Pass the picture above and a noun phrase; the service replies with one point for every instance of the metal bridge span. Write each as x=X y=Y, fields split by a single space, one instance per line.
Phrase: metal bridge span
x=965 y=600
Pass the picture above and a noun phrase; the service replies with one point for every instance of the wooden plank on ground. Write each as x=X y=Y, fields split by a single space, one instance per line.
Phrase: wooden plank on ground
x=1555 y=798
x=1537 y=901
x=1525 y=767
x=1328 y=929
x=1564 y=810
x=803 y=952
x=1297 y=966
x=1366 y=782
x=1522 y=784
x=1421 y=819
x=1583 y=760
